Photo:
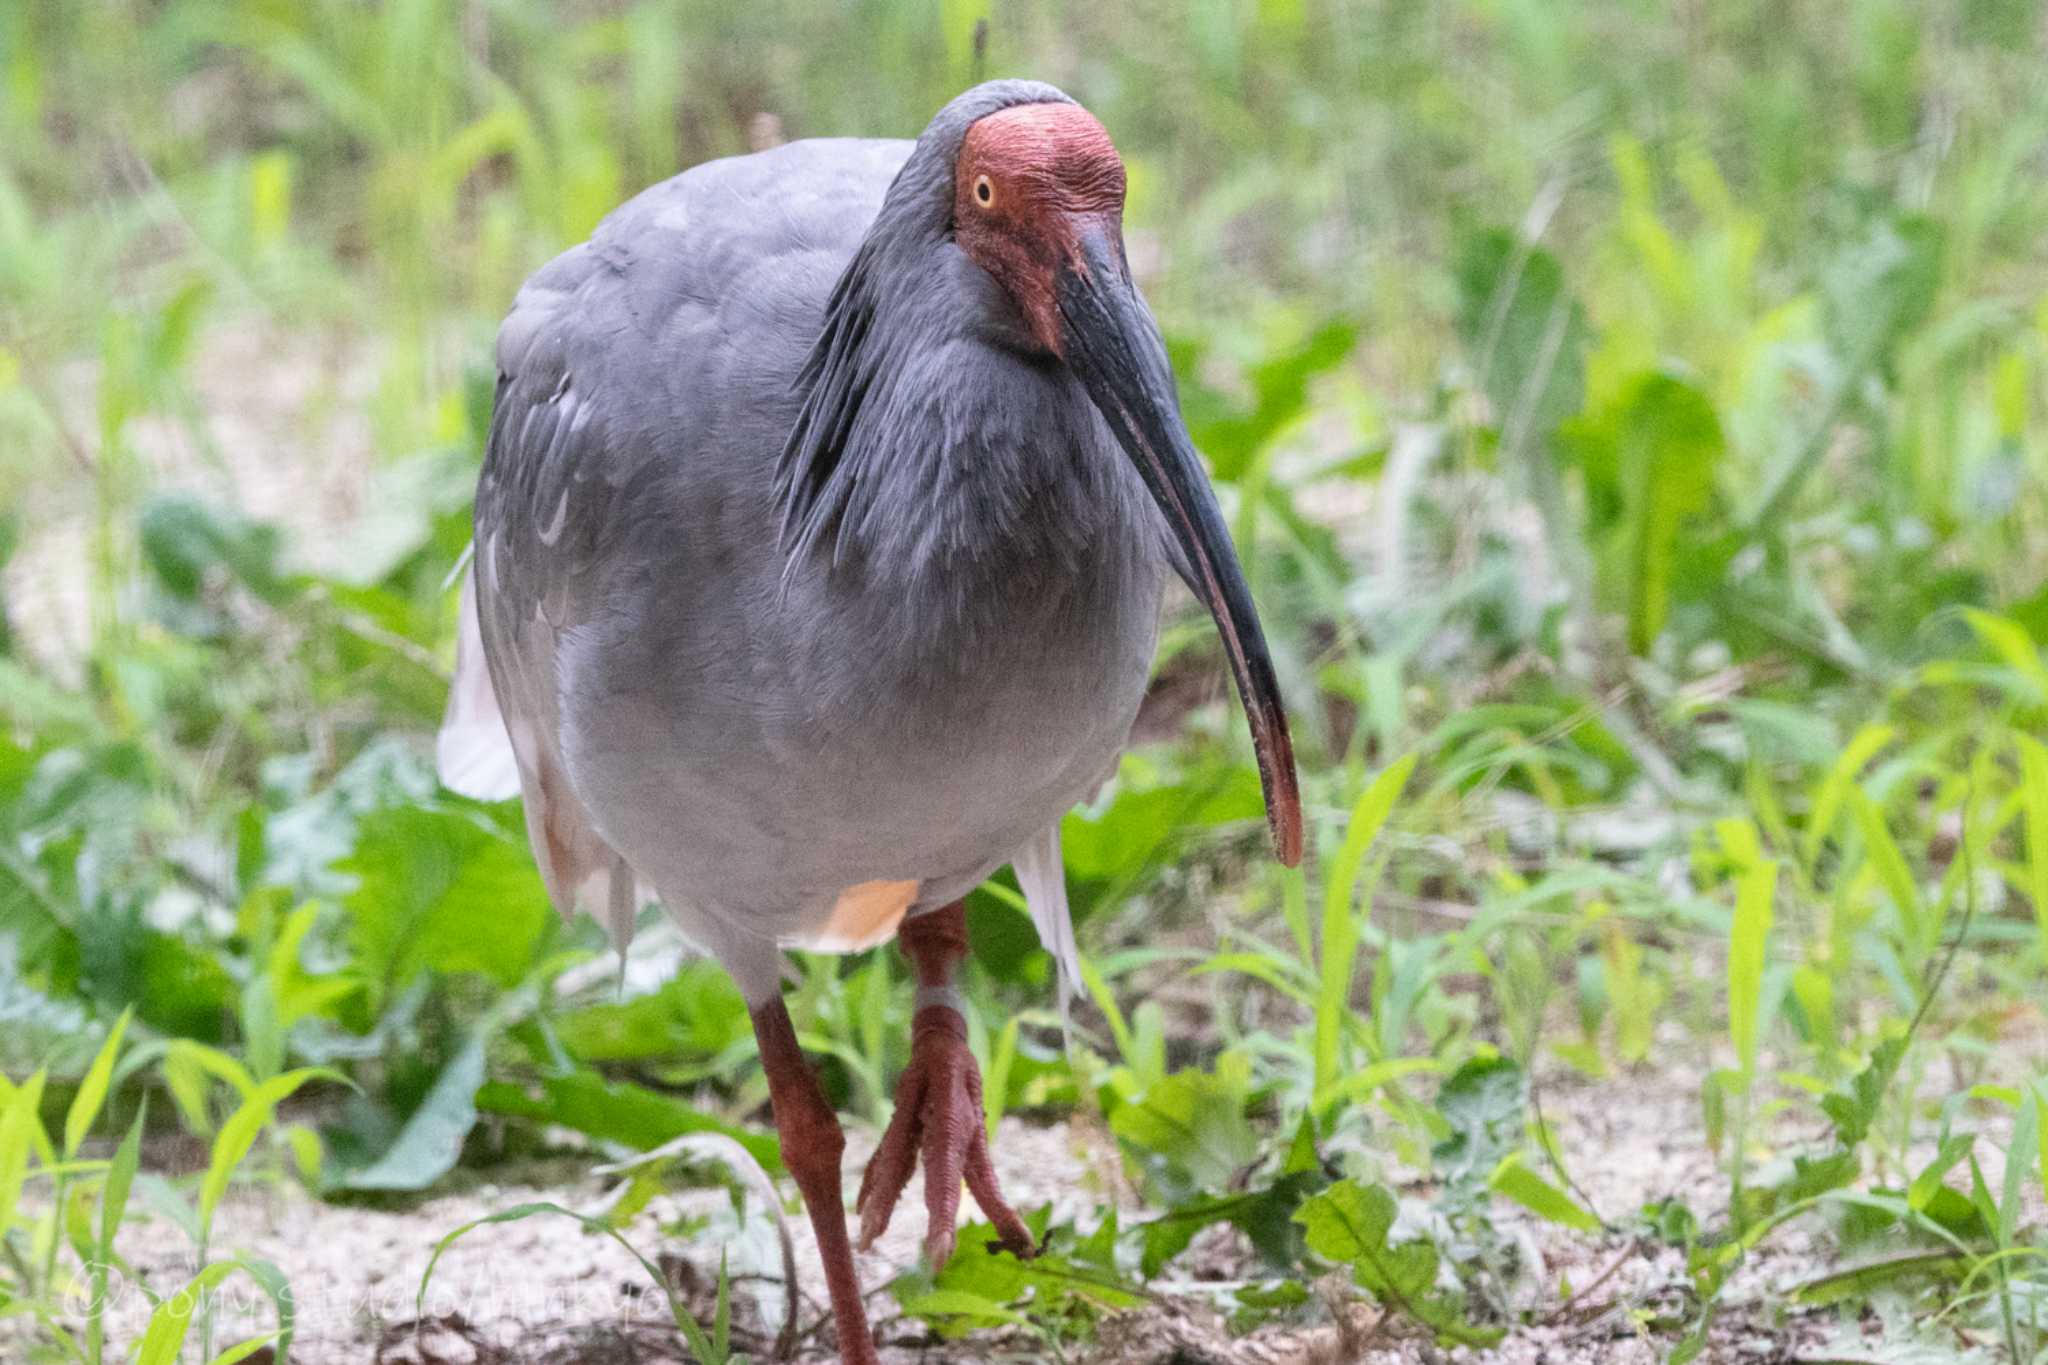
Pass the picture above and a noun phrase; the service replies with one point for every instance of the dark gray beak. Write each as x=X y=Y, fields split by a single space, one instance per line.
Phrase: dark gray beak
x=1113 y=346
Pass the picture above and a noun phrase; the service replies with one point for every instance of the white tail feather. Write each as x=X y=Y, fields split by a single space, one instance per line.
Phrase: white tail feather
x=474 y=751
x=1042 y=873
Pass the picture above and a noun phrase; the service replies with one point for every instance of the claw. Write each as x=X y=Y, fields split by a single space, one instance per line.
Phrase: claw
x=939 y=1117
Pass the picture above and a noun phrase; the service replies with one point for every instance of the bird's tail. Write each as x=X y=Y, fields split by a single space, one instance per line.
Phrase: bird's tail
x=474 y=751
x=1043 y=876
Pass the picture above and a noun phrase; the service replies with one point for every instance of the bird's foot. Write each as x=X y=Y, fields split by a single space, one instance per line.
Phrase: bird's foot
x=939 y=1114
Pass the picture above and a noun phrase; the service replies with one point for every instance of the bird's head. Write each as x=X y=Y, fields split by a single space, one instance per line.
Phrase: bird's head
x=1032 y=184
x=1038 y=200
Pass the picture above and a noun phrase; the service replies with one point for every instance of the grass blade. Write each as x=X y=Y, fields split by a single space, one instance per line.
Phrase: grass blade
x=239 y=1133
x=92 y=1091
x=113 y=1207
x=1747 y=943
x=1342 y=926
x=1896 y=875
x=2034 y=801
x=17 y=1120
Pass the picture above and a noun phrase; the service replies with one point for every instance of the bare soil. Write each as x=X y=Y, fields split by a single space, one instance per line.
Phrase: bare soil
x=543 y=1290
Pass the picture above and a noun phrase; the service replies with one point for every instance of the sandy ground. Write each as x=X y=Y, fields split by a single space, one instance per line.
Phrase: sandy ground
x=542 y=1290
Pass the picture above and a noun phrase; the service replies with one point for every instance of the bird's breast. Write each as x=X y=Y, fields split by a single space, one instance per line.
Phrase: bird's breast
x=814 y=750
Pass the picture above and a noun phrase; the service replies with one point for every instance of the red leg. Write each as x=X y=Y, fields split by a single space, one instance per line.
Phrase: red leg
x=812 y=1145
x=939 y=1113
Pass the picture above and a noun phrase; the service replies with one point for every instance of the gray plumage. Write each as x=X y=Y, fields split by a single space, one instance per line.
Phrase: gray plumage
x=778 y=595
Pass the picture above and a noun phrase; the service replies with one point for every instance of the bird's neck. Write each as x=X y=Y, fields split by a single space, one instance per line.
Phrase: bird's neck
x=998 y=513
x=1011 y=490
x=938 y=468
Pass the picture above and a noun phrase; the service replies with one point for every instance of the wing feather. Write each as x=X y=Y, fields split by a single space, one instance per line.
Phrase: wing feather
x=544 y=506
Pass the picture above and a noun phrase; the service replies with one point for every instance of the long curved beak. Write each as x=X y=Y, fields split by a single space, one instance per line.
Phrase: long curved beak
x=1113 y=346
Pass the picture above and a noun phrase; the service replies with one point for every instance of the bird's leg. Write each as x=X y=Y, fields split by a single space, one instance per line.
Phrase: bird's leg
x=812 y=1145
x=938 y=1106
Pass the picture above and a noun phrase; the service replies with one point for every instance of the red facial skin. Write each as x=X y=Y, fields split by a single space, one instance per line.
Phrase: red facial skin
x=1050 y=173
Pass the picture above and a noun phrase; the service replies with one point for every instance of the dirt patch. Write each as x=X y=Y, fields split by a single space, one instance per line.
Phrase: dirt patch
x=542 y=1290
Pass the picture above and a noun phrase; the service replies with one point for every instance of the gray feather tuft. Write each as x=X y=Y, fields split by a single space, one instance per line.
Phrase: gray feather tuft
x=827 y=463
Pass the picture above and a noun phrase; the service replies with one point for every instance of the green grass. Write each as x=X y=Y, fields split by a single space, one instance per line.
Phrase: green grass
x=1635 y=421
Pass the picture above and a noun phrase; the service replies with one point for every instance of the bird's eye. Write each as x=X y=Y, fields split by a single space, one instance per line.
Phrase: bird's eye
x=984 y=191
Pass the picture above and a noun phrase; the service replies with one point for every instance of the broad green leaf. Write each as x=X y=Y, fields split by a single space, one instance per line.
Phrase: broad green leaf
x=1050 y=1285
x=1854 y=1109
x=618 y=1112
x=696 y=1014
x=959 y=1303
x=1265 y=1216
x=1350 y=1224
x=1649 y=459
x=184 y=538
x=1882 y=285
x=1954 y=1147
x=1813 y=1176
x=1189 y=1130
x=1523 y=332
x=1142 y=825
x=1482 y=1107
x=431 y=1140
x=1233 y=435
x=441 y=890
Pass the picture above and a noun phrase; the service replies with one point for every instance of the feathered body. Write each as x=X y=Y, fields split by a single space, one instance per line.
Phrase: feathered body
x=809 y=591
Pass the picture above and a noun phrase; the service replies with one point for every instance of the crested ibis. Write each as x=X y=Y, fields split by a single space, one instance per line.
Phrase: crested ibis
x=821 y=537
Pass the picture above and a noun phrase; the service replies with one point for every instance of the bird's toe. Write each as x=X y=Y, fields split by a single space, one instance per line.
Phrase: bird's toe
x=940 y=1119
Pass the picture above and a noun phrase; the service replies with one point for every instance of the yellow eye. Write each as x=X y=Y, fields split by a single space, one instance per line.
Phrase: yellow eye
x=984 y=191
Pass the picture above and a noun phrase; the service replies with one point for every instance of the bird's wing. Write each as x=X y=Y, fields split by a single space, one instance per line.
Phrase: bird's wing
x=1042 y=873
x=618 y=437
x=543 y=505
